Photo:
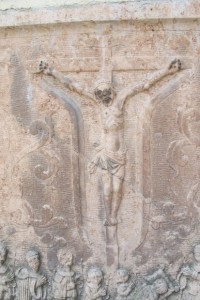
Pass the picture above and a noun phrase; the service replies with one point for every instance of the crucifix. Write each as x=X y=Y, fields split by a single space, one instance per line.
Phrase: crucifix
x=110 y=157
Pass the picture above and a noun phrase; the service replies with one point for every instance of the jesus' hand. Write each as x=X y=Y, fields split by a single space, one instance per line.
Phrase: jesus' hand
x=174 y=66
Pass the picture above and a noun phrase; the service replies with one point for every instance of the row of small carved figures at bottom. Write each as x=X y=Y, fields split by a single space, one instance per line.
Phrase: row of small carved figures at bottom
x=28 y=283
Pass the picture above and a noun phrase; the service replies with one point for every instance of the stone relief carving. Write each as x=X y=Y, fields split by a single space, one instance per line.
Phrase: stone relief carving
x=125 y=285
x=78 y=155
x=189 y=277
x=171 y=213
x=156 y=286
x=30 y=283
x=95 y=288
x=6 y=275
x=110 y=155
x=44 y=132
x=187 y=120
x=129 y=184
x=26 y=215
x=64 y=281
x=178 y=158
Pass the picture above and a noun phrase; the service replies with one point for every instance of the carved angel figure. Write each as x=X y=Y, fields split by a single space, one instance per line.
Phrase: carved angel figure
x=189 y=277
x=157 y=286
x=95 y=288
x=110 y=158
x=63 y=285
x=30 y=282
x=125 y=286
x=6 y=275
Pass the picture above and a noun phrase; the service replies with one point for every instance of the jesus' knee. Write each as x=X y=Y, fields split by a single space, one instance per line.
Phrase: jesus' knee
x=117 y=187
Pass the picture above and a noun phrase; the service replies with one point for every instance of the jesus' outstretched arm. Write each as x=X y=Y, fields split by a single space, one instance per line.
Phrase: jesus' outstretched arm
x=70 y=84
x=131 y=91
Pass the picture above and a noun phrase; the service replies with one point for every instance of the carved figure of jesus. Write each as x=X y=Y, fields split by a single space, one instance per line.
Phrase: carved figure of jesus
x=110 y=156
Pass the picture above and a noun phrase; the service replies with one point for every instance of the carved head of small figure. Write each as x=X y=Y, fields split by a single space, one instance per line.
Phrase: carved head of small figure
x=104 y=93
x=3 y=253
x=65 y=257
x=122 y=275
x=95 y=276
x=160 y=286
x=33 y=260
x=196 y=252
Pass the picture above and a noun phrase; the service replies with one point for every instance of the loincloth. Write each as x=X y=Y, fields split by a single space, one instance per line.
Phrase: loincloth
x=110 y=161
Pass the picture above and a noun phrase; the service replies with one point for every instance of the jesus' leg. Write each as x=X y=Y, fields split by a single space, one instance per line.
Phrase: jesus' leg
x=118 y=179
x=107 y=194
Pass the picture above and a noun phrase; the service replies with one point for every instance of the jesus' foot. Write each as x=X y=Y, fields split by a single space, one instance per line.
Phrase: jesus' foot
x=110 y=221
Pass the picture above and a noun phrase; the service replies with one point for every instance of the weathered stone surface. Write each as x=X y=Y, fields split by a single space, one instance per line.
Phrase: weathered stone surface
x=99 y=152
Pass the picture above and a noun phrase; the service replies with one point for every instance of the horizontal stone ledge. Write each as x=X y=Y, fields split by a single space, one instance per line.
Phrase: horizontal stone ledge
x=101 y=12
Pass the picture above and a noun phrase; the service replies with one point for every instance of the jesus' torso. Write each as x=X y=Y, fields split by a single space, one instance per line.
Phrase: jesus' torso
x=112 y=128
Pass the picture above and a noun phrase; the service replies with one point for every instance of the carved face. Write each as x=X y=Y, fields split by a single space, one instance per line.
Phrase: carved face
x=122 y=276
x=197 y=253
x=95 y=276
x=34 y=263
x=104 y=94
x=65 y=258
x=160 y=286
